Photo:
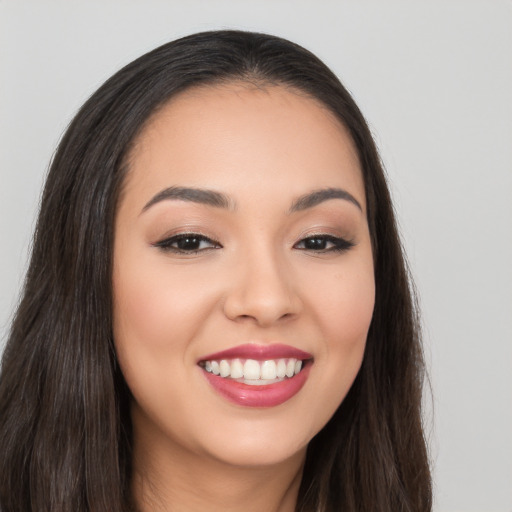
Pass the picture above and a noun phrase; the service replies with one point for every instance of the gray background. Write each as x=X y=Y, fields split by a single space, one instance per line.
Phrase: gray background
x=434 y=79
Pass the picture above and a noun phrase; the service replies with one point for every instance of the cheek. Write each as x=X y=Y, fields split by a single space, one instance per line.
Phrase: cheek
x=142 y=312
x=354 y=302
x=153 y=303
x=344 y=309
x=345 y=302
x=157 y=314
x=141 y=325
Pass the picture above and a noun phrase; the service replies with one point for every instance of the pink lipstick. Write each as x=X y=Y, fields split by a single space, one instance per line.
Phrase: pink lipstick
x=257 y=375
x=259 y=352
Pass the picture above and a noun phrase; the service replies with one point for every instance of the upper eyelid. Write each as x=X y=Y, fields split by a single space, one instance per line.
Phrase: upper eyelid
x=322 y=234
x=319 y=234
x=191 y=234
x=182 y=234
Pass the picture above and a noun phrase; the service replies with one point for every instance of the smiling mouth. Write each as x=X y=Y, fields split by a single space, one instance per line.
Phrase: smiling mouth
x=257 y=375
x=253 y=372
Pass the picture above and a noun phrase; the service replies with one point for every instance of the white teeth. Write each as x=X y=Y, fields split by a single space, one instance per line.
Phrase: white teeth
x=215 y=368
x=281 y=368
x=255 y=372
x=224 y=368
x=237 y=369
x=252 y=369
x=290 y=368
x=268 y=370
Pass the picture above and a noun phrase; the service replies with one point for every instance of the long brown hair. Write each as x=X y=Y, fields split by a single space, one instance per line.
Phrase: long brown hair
x=65 y=428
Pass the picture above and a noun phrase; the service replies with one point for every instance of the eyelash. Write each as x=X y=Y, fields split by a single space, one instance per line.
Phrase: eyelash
x=171 y=244
x=339 y=244
x=194 y=238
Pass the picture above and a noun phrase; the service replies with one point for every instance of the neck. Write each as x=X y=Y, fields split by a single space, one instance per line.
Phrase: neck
x=176 y=479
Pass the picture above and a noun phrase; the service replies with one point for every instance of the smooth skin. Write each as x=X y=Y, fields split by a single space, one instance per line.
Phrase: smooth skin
x=251 y=271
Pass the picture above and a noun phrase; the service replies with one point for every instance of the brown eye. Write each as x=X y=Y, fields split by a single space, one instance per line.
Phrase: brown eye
x=324 y=243
x=187 y=243
x=315 y=244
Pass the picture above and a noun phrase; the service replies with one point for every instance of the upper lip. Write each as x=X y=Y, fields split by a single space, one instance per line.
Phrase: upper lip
x=258 y=352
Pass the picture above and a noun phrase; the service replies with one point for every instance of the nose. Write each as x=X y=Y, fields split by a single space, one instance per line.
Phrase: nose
x=262 y=290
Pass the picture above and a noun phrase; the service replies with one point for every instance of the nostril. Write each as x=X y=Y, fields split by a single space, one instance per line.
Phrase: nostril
x=263 y=297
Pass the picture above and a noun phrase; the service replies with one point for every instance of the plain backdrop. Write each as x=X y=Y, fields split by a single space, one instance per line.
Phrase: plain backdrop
x=434 y=79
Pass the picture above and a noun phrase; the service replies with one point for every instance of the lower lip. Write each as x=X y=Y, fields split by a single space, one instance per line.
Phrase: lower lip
x=258 y=396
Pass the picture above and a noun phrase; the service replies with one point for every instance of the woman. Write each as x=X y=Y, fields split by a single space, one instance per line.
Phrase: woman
x=217 y=312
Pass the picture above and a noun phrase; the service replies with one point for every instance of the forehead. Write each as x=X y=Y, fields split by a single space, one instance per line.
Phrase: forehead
x=239 y=135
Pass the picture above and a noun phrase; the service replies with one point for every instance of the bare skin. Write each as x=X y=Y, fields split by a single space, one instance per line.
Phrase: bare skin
x=205 y=484
x=268 y=245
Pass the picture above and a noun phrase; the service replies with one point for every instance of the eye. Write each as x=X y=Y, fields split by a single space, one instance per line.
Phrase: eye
x=324 y=243
x=187 y=243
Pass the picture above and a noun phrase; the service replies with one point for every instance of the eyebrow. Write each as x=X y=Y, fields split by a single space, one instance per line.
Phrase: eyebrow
x=220 y=200
x=194 y=195
x=319 y=196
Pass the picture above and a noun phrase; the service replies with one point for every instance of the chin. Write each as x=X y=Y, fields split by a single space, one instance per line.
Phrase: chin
x=248 y=455
x=257 y=444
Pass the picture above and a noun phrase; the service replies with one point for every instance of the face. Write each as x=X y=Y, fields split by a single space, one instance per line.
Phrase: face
x=243 y=274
